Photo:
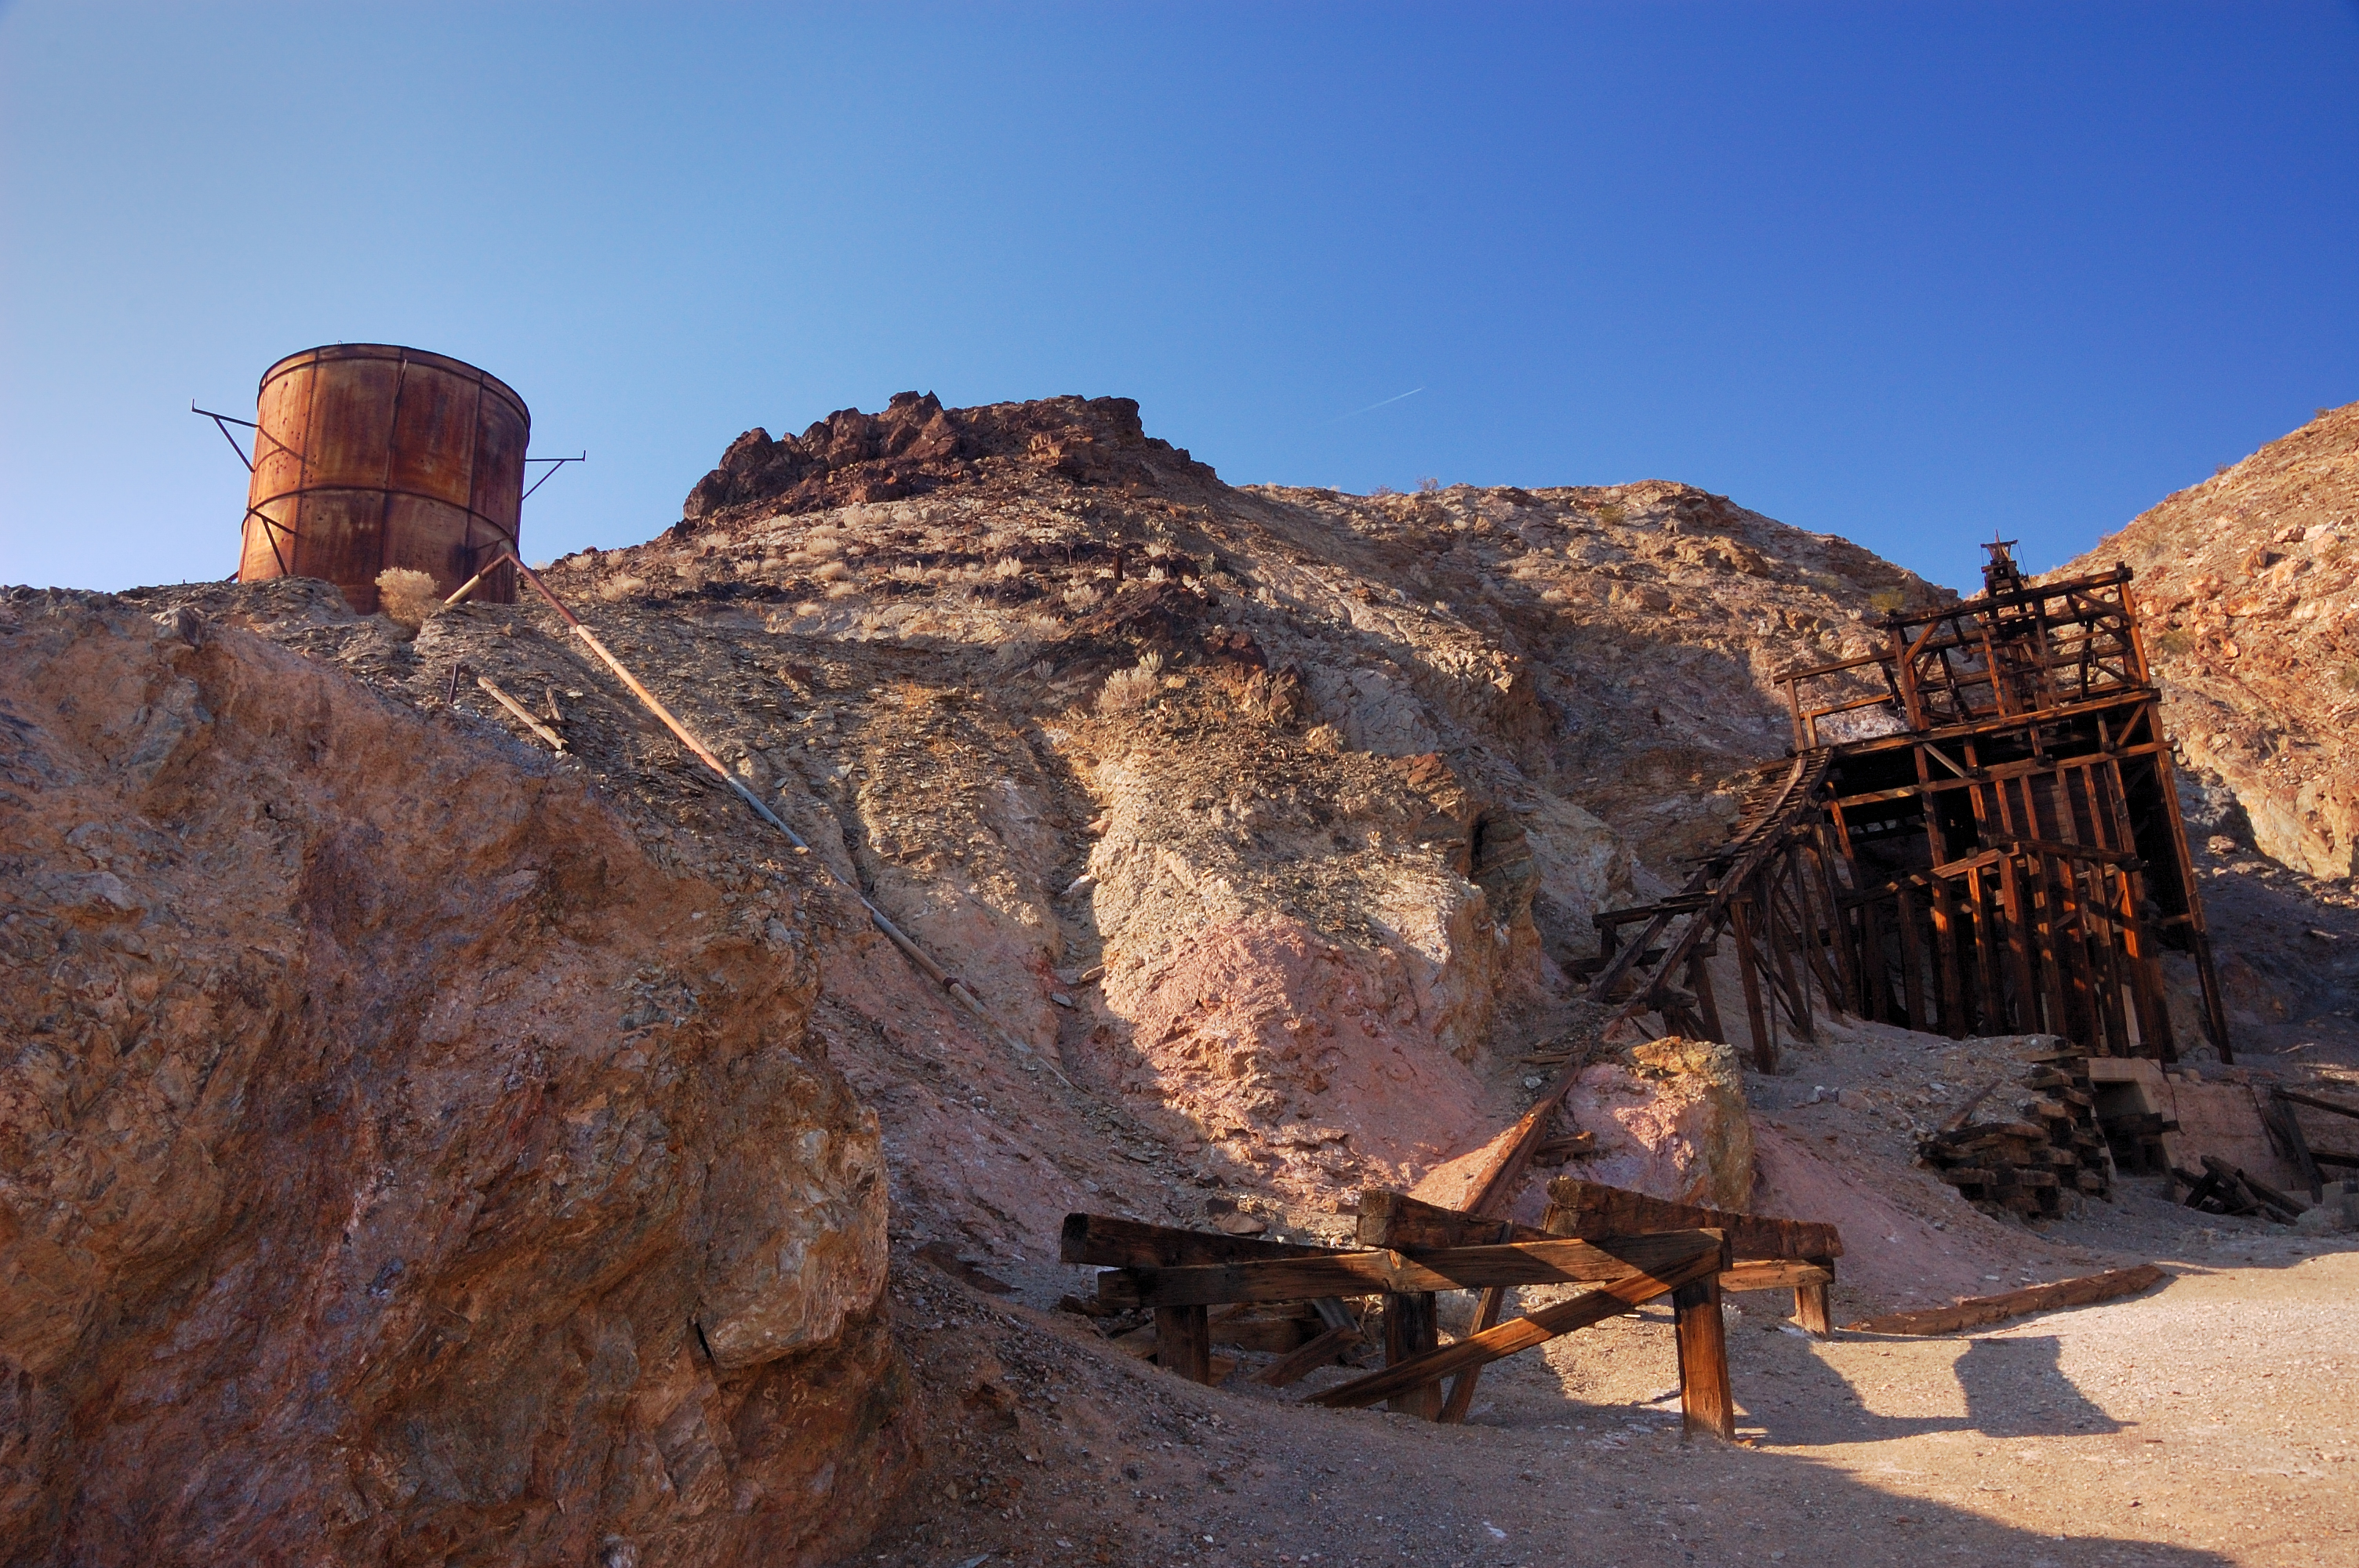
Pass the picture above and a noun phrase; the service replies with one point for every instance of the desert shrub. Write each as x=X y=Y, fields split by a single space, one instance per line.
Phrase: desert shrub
x=1134 y=687
x=1612 y=512
x=1080 y=596
x=1888 y=600
x=833 y=571
x=2347 y=678
x=406 y=597
x=1428 y=485
x=2174 y=644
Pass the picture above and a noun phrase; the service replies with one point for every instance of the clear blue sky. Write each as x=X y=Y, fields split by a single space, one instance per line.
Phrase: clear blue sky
x=1902 y=271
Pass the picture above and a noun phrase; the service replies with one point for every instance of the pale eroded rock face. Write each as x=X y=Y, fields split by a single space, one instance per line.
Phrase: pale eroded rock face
x=395 y=1165
x=1670 y=1121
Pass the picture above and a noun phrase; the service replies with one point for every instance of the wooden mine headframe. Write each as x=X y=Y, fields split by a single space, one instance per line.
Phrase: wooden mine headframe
x=1978 y=832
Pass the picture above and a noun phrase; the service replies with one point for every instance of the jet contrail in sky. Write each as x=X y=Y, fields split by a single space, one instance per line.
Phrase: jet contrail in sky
x=1372 y=407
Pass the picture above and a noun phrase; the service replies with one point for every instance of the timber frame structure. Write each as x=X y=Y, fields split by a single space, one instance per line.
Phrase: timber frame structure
x=1977 y=833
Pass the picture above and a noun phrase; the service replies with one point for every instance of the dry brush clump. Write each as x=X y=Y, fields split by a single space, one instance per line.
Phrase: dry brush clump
x=406 y=597
x=1125 y=690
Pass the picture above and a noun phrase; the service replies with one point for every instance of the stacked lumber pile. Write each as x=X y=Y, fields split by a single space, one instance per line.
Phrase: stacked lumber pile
x=2026 y=1163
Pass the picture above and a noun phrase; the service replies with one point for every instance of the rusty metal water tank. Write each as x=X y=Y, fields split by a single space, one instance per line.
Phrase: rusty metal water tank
x=368 y=455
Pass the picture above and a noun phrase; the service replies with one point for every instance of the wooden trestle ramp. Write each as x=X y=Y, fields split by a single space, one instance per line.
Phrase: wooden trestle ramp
x=1977 y=833
x=1626 y=1248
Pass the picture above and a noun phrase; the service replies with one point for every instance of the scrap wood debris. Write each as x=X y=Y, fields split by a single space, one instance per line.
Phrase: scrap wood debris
x=1975 y=1311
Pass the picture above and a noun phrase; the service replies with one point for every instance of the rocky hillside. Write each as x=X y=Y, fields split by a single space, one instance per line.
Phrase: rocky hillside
x=487 y=1120
x=398 y=1164
x=1275 y=815
x=2250 y=584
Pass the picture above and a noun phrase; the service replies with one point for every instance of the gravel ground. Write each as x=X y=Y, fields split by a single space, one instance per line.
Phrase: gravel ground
x=2214 y=1420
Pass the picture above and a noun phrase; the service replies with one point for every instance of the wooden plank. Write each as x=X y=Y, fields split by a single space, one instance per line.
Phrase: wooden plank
x=1912 y=979
x=1811 y=1313
x=2289 y=1129
x=1705 y=1403
x=1462 y=1386
x=1183 y=1342
x=1521 y=1333
x=1111 y=1243
x=2266 y=1195
x=1764 y=1041
x=1700 y=982
x=1254 y=1328
x=2317 y=1104
x=1298 y=1364
x=1384 y=1272
x=1592 y=1209
x=1411 y=1330
x=1774 y=1274
x=1406 y=1224
x=1976 y=1311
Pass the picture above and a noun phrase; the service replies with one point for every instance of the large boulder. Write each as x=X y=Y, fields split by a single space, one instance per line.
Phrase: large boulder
x=396 y=1166
x=1671 y=1123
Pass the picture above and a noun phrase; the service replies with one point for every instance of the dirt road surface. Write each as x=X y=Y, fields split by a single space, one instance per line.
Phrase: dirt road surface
x=2213 y=1419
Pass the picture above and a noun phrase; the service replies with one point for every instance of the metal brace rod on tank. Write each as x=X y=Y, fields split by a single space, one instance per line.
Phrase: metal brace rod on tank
x=222 y=422
x=555 y=463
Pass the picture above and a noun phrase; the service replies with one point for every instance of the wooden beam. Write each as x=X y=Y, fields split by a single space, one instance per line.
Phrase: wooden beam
x=1412 y=1331
x=1523 y=1333
x=2288 y=1130
x=1592 y=1209
x=1462 y=1388
x=1381 y=1271
x=1811 y=1309
x=1406 y=1224
x=1978 y=1310
x=1110 y=1243
x=2317 y=1104
x=1298 y=1364
x=1765 y=1040
x=1183 y=1342
x=1774 y=1274
x=1705 y=1403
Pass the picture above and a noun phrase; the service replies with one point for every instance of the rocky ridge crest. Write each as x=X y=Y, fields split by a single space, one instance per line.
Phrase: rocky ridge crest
x=2249 y=585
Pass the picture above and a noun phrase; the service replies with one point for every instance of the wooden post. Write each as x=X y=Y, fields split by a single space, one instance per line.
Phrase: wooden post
x=1183 y=1342
x=1912 y=979
x=1704 y=1398
x=1945 y=947
x=1411 y=1329
x=1810 y=1303
x=1765 y=1042
x=1797 y=1000
x=1879 y=988
x=1700 y=982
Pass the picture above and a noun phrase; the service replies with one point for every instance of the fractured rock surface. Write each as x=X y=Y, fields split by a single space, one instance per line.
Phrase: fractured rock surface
x=397 y=1164
x=2249 y=583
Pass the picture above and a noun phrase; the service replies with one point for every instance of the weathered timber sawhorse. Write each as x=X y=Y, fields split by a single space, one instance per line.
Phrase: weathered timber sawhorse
x=1178 y=1274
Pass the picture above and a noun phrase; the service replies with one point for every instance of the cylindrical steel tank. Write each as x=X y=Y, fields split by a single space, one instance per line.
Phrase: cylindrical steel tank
x=368 y=455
